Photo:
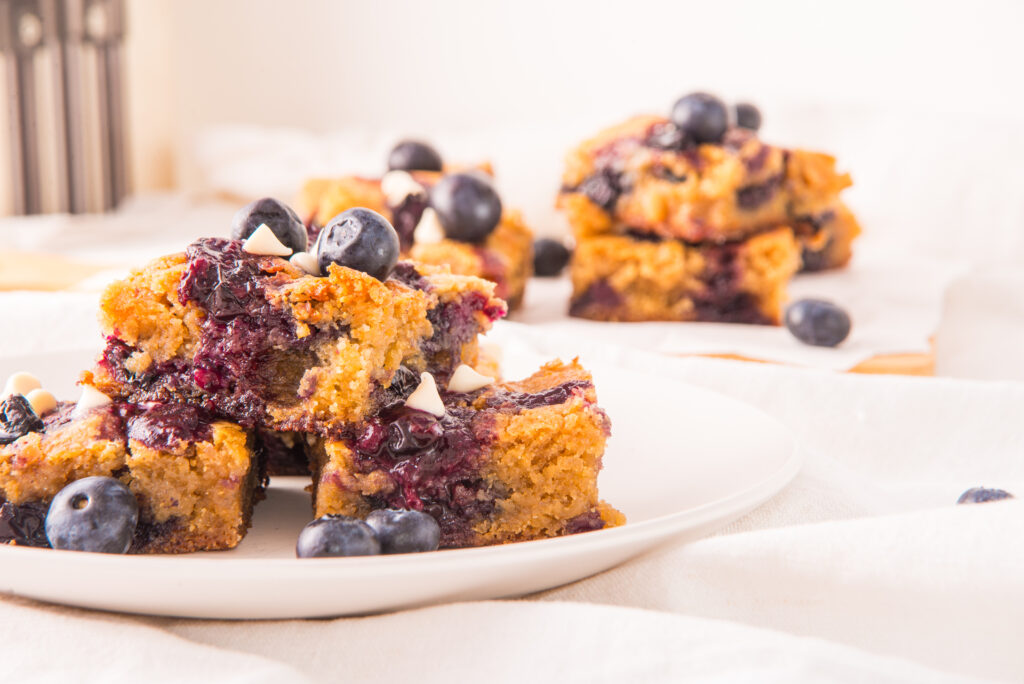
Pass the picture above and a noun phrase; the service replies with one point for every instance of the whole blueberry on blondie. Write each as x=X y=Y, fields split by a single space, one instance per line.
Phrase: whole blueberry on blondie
x=359 y=239
x=402 y=531
x=337 y=535
x=281 y=219
x=818 y=322
x=96 y=514
x=983 y=495
x=702 y=116
x=414 y=155
x=467 y=206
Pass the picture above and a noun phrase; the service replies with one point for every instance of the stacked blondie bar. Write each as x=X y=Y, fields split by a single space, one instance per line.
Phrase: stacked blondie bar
x=694 y=218
x=229 y=357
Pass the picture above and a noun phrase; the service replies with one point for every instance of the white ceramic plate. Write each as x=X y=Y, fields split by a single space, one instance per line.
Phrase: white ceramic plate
x=682 y=462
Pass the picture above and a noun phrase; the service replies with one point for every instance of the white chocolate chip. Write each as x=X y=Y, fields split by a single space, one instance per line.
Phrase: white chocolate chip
x=429 y=230
x=491 y=350
x=426 y=397
x=42 y=402
x=264 y=242
x=307 y=262
x=466 y=379
x=397 y=185
x=20 y=383
x=91 y=398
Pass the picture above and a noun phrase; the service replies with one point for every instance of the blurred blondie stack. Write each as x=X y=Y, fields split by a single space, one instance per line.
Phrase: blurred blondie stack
x=694 y=218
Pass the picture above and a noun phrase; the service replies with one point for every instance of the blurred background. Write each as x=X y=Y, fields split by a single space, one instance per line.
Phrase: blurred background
x=921 y=101
x=183 y=110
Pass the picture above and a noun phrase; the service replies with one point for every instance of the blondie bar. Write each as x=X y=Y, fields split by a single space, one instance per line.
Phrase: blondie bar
x=643 y=176
x=628 y=278
x=195 y=478
x=508 y=462
x=255 y=340
x=504 y=256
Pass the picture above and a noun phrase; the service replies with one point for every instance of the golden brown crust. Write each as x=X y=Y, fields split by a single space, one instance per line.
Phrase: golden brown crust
x=203 y=489
x=617 y=278
x=39 y=464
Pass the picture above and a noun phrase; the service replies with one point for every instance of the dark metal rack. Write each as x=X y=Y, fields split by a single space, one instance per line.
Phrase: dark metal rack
x=66 y=32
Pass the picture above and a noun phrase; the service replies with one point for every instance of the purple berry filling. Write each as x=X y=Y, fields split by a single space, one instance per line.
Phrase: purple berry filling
x=406 y=216
x=163 y=426
x=588 y=522
x=600 y=296
x=23 y=524
x=233 y=372
x=312 y=232
x=433 y=463
x=241 y=328
x=722 y=301
x=505 y=401
x=755 y=196
x=283 y=453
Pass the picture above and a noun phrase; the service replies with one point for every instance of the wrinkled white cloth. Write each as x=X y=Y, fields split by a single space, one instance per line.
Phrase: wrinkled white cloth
x=981 y=334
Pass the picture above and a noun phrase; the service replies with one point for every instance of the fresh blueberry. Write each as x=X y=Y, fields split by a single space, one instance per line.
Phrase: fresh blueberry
x=413 y=155
x=549 y=257
x=983 y=495
x=17 y=419
x=817 y=322
x=336 y=535
x=405 y=531
x=467 y=206
x=93 y=514
x=748 y=116
x=282 y=220
x=360 y=239
x=701 y=116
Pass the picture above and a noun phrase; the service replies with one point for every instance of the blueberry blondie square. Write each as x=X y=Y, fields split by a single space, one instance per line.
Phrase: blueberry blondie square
x=417 y=196
x=195 y=478
x=492 y=464
x=646 y=176
x=256 y=340
x=624 y=278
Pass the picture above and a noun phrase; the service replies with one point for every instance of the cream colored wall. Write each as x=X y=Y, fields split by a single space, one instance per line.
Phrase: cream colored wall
x=153 y=103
